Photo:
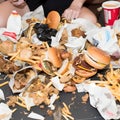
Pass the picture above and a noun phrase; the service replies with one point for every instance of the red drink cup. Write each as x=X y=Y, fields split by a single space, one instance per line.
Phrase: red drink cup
x=111 y=12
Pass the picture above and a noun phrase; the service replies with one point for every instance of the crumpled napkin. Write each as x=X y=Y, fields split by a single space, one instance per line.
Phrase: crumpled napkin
x=106 y=39
x=36 y=116
x=116 y=26
x=2 y=94
x=5 y=112
x=102 y=99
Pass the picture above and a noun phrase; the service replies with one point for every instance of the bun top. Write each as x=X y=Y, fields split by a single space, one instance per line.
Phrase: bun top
x=54 y=57
x=53 y=19
x=98 y=55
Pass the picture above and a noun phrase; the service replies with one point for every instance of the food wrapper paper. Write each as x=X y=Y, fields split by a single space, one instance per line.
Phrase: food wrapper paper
x=5 y=112
x=38 y=13
x=28 y=100
x=73 y=43
x=84 y=25
x=2 y=94
x=36 y=116
x=56 y=83
x=116 y=26
x=102 y=99
x=105 y=38
x=52 y=100
x=12 y=79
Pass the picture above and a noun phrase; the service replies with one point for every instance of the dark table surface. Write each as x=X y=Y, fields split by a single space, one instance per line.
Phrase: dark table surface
x=79 y=110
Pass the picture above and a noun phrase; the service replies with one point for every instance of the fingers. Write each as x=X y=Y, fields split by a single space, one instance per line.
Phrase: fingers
x=70 y=14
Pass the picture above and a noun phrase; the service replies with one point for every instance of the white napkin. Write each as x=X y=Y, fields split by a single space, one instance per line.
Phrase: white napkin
x=36 y=116
x=102 y=99
x=2 y=94
x=106 y=39
x=5 y=112
x=116 y=26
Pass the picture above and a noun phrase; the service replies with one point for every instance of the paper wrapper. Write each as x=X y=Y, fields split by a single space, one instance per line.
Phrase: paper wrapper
x=37 y=13
x=105 y=38
x=30 y=102
x=102 y=99
x=84 y=24
x=41 y=94
x=36 y=116
x=12 y=79
x=75 y=44
x=116 y=26
x=5 y=112
x=2 y=95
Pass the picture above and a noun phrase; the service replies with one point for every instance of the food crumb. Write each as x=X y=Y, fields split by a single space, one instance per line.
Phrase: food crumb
x=50 y=112
x=85 y=98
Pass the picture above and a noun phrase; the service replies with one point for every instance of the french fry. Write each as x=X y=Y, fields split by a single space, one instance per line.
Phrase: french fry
x=35 y=57
x=67 y=115
x=21 y=104
x=19 y=98
x=27 y=60
x=14 y=55
x=14 y=110
x=66 y=112
x=112 y=82
x=66 y=109
x=4 y=83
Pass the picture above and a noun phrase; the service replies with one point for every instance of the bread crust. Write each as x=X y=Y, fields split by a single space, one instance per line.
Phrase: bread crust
x=96 y=57
x=54 y=57
x=53 y=19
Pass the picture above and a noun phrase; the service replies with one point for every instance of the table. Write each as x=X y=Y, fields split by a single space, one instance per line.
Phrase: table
x=79 y=110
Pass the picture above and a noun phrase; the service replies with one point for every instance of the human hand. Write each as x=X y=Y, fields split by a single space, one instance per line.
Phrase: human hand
x=18 y=3
x=71 y=13
x=74 y=10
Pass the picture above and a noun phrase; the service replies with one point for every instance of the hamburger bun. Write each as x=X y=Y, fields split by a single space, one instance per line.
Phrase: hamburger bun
x=53 y=19
x=54 y=57
x=82 y=68
x=84 y=73
x=96 y=57
x=65 y=66
x=46 y=67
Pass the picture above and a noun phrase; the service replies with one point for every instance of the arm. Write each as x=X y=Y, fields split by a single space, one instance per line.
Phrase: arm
x=2 y=1
x=74 y=10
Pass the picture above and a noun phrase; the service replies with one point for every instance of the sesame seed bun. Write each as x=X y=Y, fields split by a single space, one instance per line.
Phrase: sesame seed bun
x=96 y=57
x=53 y=19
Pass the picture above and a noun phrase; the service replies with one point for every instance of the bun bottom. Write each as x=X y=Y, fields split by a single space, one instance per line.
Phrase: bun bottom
x=78 y=79
x=85 y=74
